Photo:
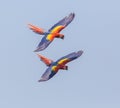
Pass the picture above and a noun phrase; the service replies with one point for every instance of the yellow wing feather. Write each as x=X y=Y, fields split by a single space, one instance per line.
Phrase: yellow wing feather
x=54 y=32
x=63 y=61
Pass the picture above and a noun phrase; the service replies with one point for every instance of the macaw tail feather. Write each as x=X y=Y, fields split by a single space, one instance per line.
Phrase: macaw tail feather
x=36 y=29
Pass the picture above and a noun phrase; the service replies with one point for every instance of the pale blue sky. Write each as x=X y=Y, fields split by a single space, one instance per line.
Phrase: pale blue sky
x=92 y=81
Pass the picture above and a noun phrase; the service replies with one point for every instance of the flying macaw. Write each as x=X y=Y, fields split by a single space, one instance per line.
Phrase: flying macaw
x=53 y=32
x=53 y=67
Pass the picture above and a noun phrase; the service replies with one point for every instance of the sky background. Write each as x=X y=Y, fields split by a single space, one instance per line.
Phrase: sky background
x=92 y=81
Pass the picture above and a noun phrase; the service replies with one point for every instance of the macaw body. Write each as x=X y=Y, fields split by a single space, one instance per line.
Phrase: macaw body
x=53 y=32
x=53 y=67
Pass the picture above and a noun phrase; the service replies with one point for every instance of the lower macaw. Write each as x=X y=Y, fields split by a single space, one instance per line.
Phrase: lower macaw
x=53 y=67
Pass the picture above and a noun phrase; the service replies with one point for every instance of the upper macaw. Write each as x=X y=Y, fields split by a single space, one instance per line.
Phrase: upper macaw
x=53 y=32
x=53 y=67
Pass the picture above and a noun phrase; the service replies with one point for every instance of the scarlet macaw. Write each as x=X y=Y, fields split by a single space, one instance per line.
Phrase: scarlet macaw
x=53 y=67
x=53 y=32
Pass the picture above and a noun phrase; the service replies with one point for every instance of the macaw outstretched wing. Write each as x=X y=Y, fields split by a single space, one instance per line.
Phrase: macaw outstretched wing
x=72 y=56
x=45 y=75
x=62 y=24
x=43 y=44
x=45 y=60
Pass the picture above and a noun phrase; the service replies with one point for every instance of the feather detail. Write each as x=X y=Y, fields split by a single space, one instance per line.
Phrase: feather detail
x=45 y=60
x=36 y=29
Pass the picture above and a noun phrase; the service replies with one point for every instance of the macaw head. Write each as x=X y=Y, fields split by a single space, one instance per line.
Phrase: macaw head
x=61 y=36
x=64 y=67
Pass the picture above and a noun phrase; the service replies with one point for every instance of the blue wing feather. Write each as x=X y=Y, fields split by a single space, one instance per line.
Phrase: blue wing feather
x=49 y=73
x=64 y=22
x=43 y=44
x=71 y=56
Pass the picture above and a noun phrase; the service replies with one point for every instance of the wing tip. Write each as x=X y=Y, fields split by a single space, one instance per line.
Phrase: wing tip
x=38 y=49
x=80 y=52
x=42 y=80
x=72 y=14
x=69 y=18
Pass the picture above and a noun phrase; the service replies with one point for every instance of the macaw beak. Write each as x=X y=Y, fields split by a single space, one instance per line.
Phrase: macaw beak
x=62 y=37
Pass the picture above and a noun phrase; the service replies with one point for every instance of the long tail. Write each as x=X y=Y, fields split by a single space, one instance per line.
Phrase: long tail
x=36 y=29
x=45 y=59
